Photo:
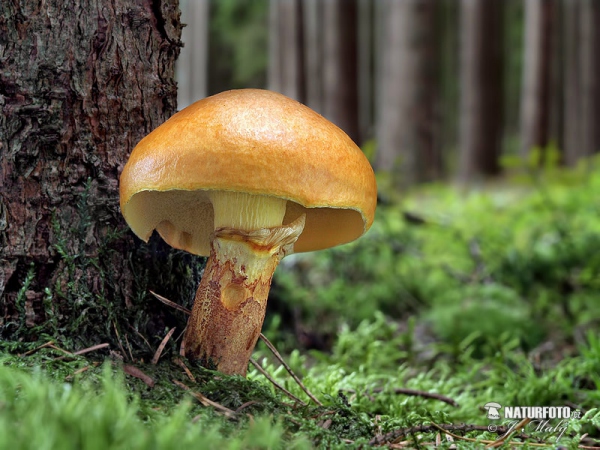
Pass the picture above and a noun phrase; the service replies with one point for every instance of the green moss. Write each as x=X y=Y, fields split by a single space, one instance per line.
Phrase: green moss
x=479 y=297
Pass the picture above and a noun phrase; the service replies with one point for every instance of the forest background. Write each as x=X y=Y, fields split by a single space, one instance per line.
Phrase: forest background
x=432 y=90
x=478 y=282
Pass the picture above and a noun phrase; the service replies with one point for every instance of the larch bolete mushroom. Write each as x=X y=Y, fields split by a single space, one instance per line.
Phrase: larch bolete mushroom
x=244 y=177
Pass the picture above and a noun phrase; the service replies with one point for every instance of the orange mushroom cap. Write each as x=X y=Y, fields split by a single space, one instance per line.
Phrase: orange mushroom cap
x=252 y=141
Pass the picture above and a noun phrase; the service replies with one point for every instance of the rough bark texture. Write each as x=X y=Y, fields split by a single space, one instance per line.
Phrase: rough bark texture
x=481 y=88
x=406 y=128
x=80 y=84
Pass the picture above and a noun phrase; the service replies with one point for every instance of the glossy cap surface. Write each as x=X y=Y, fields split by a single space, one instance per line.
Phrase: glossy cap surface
x=253 y=141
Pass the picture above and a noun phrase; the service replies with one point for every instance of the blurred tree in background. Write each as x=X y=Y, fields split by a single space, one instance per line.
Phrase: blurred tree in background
x=429 y=88
x=481 y=83
x=406 y=116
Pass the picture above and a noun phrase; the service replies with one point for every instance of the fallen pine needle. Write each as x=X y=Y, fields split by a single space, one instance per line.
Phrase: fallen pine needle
x=66 y=352
x=79 y=352
x=137 y=373
x=30 y=352
x=206 y=401
x=289 y=369
x=271 y=347
x=173 y=305
x=119 y=340
x=446 y=429
x=91 y=349
x=275 y=383
x=187 y=371
x=245 y=405
x=141 y=336
x=498 y=442
x=77 y=372
x=129 y=347
x=416 y=393
x=83 y=369
x=162 y=346
x=482 y=441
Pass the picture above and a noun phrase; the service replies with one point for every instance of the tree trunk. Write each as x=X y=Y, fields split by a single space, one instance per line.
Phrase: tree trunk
x=313 y=54
x=286 y=52
x=340 y=65
x=405 y=132
x=590 y=71
x=367 y=24
x=572 y=118
x=537 y=75
x=481 y=88
x=192 y=66
x=581 y=88
x=81 y=83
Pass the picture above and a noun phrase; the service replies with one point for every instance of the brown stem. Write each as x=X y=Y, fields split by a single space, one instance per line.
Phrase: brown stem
x=230 y=303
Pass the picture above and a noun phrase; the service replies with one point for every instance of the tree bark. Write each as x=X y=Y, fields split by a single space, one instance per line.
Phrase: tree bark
x=80 y=85
x=537 y=75
x=481 y=88
x=406 y=144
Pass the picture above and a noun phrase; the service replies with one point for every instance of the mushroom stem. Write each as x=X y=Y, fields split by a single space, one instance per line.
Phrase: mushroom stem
x=231 y=301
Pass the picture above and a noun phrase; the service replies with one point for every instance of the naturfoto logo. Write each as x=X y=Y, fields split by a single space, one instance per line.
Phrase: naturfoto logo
x=527 y=412
x=539 y=417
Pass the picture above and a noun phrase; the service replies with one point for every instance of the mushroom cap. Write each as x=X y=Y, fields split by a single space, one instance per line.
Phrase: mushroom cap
x=253 y=141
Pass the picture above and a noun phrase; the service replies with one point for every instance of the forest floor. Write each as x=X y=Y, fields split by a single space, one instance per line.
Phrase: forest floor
x=453 y=301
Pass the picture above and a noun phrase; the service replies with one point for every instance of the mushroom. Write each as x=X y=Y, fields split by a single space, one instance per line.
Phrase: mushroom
x=244 y=177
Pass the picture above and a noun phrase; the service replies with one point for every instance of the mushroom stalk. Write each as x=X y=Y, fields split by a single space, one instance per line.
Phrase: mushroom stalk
x=231 y=301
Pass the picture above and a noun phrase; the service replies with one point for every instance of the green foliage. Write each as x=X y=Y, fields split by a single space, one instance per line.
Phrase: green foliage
x=509 y=262
x=38 y=413
x=238 y=44
x=476 y=296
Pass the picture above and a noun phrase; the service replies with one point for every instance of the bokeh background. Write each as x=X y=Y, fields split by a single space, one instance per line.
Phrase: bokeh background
x=480 y=118
x=430 y=89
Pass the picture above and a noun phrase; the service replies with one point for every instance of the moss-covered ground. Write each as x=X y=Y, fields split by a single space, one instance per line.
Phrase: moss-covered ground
x=453 y=300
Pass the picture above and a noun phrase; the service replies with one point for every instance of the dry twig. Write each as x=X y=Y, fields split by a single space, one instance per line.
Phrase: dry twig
x=162 y=346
